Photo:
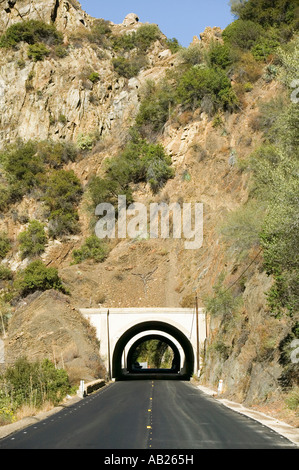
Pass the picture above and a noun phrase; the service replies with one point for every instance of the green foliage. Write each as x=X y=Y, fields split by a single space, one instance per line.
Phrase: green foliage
x=141 y=39
x=94 y=77
x=243 y=34
x=155 y=107
x=85 y=141
x=223 y=303
x=33 y=240
x=242 y=228
x=173 y=45
x=5 y=245
x=37 y=277
x=200 y=82
x=219 y=55
x=140 y=161
x=55 y=154
x=38 y=51
x=275 y=167
x=23 y=168
x=129 y=68
x=5 y=273
x=33 y=384
x=63 y=192
x=192 y=55
x=93 y=248
x=31 y=32
x=269 y=13
x=100 y=32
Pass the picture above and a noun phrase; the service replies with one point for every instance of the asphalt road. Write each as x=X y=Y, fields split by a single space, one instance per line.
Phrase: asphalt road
x=145 y=414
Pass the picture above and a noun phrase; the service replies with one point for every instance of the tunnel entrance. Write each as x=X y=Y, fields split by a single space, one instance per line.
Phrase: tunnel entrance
x=153 y=353
x=182 y=366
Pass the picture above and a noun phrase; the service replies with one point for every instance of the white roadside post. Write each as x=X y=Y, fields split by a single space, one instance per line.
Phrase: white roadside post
x=81 y=392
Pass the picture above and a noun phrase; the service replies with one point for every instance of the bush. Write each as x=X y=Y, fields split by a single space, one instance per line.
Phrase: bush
x=193 y=55
x=63 y=192
x=141 y=39
x=31 y=32
x=34 y=383
x=94 y=77
x=173 y=45
x=100 y=32
x=37 y=277
x=140 y=161
x=198 y=83
x=243 y=34
x=222 y=303
x=38 y=52
x=129 y=68
x=5 y=245
x=268 y=13
x=93 y=248
x=56 y=154
x=219 y=55
x=5 y=273
x=33 y=240
x=154 y=110
x=23 y=167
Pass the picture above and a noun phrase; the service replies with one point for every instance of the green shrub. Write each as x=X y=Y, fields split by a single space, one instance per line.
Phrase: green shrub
x=219 y=55
x=93 y=248
x=173 y=45
x=38 y=52
x=129 y=68
x=140 y=161
x=200 y=82
x=146 y=35
x=223 y=303
x=33 y=240
x=31 y=32
x=94 y=77
x=85 y=141
x=34 y=383
x=192 y=55
x=63 y=192
x=23 y=167
x=55 y=154
x=243 y=34
x=142 y=39
x=155 y=107
x=37 y=277
x=100 y=32
x=5 y=273
x=5 y=245
x=241 y=228
x=268 y=13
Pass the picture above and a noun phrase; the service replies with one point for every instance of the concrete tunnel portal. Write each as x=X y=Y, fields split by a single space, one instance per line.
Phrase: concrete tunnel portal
x=182 y=371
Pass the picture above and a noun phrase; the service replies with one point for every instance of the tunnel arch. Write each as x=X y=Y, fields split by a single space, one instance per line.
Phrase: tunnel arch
x=164 y=339
x=160 y=326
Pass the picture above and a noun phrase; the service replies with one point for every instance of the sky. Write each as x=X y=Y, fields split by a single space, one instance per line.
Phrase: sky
x=180 y=19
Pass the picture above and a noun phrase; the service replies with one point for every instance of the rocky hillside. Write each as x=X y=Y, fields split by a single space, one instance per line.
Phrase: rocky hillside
x=71 y=97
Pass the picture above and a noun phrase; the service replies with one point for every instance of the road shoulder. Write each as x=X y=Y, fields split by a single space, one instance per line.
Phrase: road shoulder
x=284 y=429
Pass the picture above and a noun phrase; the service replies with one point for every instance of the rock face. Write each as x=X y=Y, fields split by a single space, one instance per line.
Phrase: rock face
x=65 y=14
x=47 y=325
x=130 y=19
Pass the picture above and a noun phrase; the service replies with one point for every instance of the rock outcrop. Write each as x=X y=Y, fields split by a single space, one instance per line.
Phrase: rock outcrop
x=66 y=15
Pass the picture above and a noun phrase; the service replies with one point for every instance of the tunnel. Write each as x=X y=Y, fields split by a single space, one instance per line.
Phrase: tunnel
x=176 y=360
x=186 y=369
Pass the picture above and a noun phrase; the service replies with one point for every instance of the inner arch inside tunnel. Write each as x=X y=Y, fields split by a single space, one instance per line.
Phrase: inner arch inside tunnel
x=187 y=368
x=177 y=357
